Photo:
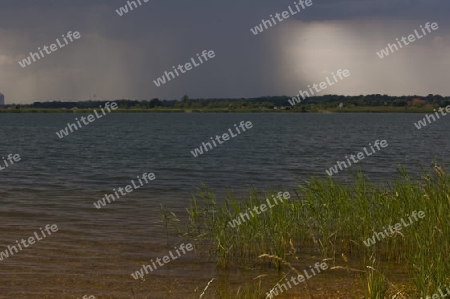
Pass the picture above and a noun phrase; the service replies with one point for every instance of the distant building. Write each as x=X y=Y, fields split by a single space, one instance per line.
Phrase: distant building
x=417 y=102
x=2 y=100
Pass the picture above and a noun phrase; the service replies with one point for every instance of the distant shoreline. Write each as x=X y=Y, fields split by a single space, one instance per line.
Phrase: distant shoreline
x=178 y=110
x=375 y=103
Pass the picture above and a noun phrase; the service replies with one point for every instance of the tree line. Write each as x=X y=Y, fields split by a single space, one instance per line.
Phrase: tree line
x=269 y=102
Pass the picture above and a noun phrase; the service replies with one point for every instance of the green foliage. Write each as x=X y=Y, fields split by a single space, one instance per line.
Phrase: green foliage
x=335 y=219
x=310 y=104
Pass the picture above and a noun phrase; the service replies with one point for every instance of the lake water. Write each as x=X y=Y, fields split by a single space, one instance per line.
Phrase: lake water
x=95 y=250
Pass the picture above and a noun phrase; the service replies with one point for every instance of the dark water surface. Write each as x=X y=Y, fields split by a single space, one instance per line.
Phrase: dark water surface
x=94 y=251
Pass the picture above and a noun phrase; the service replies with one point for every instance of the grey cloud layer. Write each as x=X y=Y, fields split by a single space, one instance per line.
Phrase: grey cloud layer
x=118 y=57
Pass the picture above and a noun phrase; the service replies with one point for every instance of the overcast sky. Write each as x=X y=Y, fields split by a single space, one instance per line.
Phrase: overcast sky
x=120 y=56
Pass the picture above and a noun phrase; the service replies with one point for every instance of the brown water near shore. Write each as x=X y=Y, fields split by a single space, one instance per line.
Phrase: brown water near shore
x=74 y=266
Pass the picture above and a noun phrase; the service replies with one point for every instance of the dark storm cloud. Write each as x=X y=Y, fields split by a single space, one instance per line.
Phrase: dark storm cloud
x=121 y=56
x=341 y=10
